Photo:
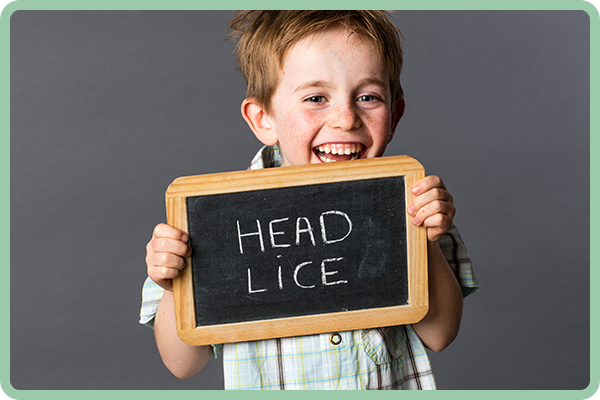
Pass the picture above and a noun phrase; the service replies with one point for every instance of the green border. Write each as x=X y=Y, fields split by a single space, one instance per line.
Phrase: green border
x=11 y=7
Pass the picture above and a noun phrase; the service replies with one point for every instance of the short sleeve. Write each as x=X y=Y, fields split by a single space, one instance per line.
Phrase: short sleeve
x=456 y=254
x=151 y=295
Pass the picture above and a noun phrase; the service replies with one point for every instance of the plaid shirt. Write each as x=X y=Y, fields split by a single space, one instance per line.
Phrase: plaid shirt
x=378 y=358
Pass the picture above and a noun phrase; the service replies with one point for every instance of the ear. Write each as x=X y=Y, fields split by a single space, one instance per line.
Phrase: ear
x=258 y=120
x=397 y=113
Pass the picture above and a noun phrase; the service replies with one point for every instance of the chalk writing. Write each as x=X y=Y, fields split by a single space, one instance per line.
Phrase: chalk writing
x=304 y=285
x=306 y=229
x=323 y=231
x=273 y=234
x=258 y=233
x=303 y=226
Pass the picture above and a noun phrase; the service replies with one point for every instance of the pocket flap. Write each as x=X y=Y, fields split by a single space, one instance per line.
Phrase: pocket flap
x=383 y=345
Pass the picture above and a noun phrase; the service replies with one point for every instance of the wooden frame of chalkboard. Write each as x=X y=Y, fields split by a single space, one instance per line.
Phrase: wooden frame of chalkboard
x=402 y=285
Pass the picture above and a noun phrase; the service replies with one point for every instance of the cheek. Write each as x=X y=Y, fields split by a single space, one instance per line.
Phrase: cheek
x=380 y=125
x=300 y=128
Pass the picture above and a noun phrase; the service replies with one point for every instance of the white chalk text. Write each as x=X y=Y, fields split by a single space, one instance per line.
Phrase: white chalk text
x=304 y=233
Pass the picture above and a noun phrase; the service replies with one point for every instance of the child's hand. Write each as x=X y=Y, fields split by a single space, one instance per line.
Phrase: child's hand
x=165 y=254
x=432 y=207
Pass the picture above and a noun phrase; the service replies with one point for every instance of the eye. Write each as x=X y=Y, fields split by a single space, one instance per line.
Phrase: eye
x=367 y=98
x=315 y=99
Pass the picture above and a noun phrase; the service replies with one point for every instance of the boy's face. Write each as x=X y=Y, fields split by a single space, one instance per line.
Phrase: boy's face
x=332 y=103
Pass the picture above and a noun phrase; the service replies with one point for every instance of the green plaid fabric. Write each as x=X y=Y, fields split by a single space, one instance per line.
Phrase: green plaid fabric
x=378 y=358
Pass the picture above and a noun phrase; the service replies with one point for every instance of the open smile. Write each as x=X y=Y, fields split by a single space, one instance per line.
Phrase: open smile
x=334 y=152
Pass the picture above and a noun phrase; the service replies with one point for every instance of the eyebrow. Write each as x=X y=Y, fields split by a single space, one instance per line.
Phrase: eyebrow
x=373 y=81
x=313 y=84
x=324 y=84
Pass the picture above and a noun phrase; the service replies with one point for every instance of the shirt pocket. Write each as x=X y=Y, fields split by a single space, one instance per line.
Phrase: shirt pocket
x=383 y=345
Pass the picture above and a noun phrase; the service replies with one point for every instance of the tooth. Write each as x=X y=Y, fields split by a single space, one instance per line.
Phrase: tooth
x=348 y=152
x=327 y=150
x=334 y=151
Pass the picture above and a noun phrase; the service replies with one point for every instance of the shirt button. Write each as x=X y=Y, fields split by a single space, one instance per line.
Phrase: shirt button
x=335 y=339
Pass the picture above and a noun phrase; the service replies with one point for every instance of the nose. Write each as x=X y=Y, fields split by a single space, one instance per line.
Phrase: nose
x=345 y=117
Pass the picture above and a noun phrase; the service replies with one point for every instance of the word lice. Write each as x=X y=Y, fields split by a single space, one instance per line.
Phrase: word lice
x=302 y=227
x=324 y=275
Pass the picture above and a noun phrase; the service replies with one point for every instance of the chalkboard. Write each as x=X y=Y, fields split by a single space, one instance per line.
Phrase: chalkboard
x=298 y=250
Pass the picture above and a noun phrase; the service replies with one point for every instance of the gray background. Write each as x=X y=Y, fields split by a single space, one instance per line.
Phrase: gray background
x=107 y=108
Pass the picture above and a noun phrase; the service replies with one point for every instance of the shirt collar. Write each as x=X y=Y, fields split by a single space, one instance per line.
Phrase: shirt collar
x=267 y=157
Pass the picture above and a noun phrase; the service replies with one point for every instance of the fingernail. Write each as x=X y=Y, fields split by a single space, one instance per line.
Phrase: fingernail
x=411 y=210
x=415 y=189
x=415 y=221
x=184 y=237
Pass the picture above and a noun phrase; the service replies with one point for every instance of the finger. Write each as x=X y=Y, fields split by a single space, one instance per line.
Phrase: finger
x=163 y=276
x=426 y=184
x=431 y=196
x=434 y=234
x=164 y=273
x=431 y=209
x=168 y=245
x=440 y=221
x=167 y=231
x=437 y=225
x=166 y=284
x=167 y=260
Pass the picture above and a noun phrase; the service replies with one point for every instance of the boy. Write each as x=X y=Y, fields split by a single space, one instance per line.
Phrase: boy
x=323 y=86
